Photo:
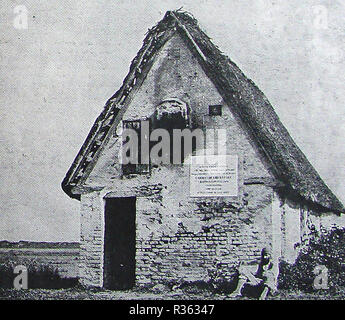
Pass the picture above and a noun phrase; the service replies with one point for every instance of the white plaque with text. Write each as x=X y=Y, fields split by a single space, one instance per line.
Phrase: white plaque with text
x=214 y=176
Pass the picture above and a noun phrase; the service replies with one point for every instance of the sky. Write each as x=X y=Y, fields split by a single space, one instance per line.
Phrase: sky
x=57 y=74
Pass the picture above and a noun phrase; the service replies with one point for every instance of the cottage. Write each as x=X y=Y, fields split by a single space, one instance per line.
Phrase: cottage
x=159 y=221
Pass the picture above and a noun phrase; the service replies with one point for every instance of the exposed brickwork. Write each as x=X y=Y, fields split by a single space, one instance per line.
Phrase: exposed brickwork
x=224 y=233
x=91 y=240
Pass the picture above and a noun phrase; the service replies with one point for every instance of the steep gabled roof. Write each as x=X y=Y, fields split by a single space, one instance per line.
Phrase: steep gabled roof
x=289 y=164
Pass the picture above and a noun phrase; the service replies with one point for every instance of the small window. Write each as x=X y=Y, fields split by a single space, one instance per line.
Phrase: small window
x=215 y=110
x=171 y=114
x=135 y=168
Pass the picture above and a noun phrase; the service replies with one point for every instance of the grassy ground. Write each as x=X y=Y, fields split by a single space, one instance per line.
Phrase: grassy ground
x=93 y=294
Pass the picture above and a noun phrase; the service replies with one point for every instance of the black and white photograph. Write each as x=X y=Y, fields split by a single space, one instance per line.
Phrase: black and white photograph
x=173 y=150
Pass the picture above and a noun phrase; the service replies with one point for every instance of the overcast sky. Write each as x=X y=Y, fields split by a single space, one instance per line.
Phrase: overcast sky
x=56 y=75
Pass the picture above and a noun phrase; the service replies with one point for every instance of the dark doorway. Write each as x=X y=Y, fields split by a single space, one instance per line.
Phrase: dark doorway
x=119 y=243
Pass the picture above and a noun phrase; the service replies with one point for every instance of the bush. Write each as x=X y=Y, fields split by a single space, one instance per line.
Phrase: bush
x=38 y=276
x=325 y=248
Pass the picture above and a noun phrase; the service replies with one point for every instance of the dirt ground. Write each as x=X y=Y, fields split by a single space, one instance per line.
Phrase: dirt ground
x=93 y=294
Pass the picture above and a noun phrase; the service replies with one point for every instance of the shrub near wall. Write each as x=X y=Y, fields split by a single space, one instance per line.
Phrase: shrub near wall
x=325 y=248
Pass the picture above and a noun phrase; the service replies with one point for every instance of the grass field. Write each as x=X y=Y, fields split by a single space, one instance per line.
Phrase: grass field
x=62 y=257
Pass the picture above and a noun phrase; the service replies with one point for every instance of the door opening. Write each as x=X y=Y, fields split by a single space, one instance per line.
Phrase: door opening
x=119 y=243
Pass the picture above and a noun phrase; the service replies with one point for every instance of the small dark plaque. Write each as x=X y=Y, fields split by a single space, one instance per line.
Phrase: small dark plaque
x=215 y=110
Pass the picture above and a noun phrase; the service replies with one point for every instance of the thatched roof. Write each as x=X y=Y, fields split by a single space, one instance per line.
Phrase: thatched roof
x=289 y=164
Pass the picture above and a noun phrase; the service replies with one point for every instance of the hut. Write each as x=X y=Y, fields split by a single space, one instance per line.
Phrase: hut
x=168 y=221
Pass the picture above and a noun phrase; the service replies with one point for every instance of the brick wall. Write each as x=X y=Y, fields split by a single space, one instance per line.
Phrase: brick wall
x=181 y=239
x=91 y=240
x=191 y=243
